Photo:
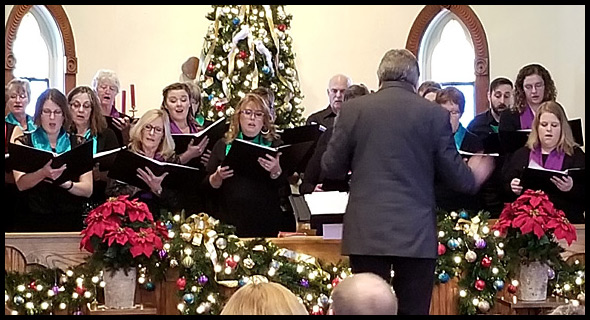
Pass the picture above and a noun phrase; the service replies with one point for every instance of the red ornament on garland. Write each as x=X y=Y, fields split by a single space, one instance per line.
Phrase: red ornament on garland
x=181 y=283
x=80 y=290
x=480 y=284
x=230 y=262
x=282 y=27
x=32 y=285
x=335 y=282
x=319 y=312
x=242 y=54
x=511 y=288
x=210 y=67
x=219 y=106
x=441 y=249
x=486 y=262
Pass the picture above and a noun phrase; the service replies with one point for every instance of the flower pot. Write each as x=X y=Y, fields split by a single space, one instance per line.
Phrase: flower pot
x=119 y=290
x=533 y=281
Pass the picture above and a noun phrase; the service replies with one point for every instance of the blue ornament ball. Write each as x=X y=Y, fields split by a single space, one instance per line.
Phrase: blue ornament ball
x=236 y=21
x=464 y=215
x=150 y=286
x=210 y=97
x=550 y=274
x=498 y=285
x=243 y=281
x=189 y=298
x=452 y=243
x=444 y=277
x=265 y=70
x=169 y=225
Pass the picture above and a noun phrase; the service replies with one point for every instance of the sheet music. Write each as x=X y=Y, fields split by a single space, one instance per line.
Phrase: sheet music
x=327 y=202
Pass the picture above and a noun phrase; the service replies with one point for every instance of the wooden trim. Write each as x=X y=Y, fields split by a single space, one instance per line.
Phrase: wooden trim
x=478 y=37
x=61 y=19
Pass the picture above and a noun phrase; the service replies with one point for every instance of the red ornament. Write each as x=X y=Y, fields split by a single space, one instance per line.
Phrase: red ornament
x=210 y=67
x=511 y=288
x=32 y=285
x=480 y=285
x=320 y=312
x=181 y=283
x=335 y=282
x=230 y=262
x=242 y=54
x=219 y=106
x=441 y=249
x=80 y=290
x=486 y=262
x=282 y=27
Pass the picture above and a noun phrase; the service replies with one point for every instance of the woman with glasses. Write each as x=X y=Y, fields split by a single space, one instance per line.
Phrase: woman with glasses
x=47 y=206
x=107 y=86
x=532 y=87
x=89 y=123
x=251 y=204
x=150 y=137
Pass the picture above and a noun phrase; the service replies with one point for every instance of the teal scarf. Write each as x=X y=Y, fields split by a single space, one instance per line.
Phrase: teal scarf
x=10 y=118
x=40 y=140
x=459 y=135
x=200 y=119
x=88 y=135
x=258 y=140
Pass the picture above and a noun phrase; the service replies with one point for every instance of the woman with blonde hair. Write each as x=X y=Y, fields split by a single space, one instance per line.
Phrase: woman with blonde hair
x=264 y=298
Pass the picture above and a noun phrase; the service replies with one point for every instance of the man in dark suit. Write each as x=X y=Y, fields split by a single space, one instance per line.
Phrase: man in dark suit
x=394 y=141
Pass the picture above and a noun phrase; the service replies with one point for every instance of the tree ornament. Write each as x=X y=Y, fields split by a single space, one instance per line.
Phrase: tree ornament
x=470 y=256
x=335 y=281
x=221 y=243
x=452 y=243
x=80 y=290
x=18 y=300
x=463 y=214
x=265 y=70
x=500 y=253
x=441 y=249
x=187 y=261
x=162 y=254
x=242 y=54
x=483 y=306
x=220 y=75
x=444 y=277
x=181 y=283
x=249 y=263
x=511 y=288
x=480 y=243
x=188 y=298
x=230 y=262
x=282 y=27
x=486 y=262
x=480 y=284
x=202 y=280
x=55 y=289
x=304 y=283
x=550 y=273
x=275 y=264
x=236 y=21
x=319 y=311
x=150 y=286
x=498 y=285
x=210 y=67
x=323 y=300
x=173 y=263
x=32 y=285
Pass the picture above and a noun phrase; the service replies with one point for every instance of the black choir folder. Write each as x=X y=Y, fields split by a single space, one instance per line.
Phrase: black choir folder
x=540 y=178
x=243 y=156
x=214 y=131
x=118 y=132
x=299 y=134
x=126 y=164
x=105 y=159
x=510 y=141
x=27 y=159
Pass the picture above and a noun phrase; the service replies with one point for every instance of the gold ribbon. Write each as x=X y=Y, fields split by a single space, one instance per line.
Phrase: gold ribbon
x=469 y=227
x=204 y=61
x=275 y=39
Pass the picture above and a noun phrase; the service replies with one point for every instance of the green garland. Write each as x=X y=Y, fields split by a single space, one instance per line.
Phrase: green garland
x=211 y=262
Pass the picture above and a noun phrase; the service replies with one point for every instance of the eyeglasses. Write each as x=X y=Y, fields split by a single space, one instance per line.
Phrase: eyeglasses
x=157 y=130
x=48 y=113
x=22 y=96
x=77 y=105
x=249 y=113
x=537 y=86
x=454 y=113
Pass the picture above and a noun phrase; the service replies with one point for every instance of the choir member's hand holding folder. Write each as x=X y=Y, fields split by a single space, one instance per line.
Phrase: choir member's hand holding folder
x=126 y=164
x=243 y=156
x=119 y=124
x=214 y=132
x=537 y=178
x=78 y=160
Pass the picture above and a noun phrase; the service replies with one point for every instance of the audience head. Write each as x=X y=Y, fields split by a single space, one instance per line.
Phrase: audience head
x=18 y=95
x=569 y=309
x=51 y=111
x=107 y=86
x=453 y=100
x=533 y=86
x=399 y=65
x=336 y=87
x=176 y=101
x=430 y=93
x=355 y=90
x=152 y=131
x=500 y=94
x=269 y=96
x=263 y=298
x=364 y=294
x=252 y=117
x=428 y=84
x=85 y=110
x=550 y=129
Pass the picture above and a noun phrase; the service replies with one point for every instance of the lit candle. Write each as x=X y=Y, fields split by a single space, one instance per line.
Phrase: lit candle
x=123 y=101
x=132 y=96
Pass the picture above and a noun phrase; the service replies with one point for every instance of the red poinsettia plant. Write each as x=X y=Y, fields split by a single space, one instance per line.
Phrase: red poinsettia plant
x=531 y=226
x=122 y=233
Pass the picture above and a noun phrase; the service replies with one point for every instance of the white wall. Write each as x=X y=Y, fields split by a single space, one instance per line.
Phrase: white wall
x=146 y=45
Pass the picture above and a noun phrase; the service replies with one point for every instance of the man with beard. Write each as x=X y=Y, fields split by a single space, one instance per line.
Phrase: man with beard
x=500 y=97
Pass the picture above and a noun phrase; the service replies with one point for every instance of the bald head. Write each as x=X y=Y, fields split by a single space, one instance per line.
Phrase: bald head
x=364 y=294
x=336 y=87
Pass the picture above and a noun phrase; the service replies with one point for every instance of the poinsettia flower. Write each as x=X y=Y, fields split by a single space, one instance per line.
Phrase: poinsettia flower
x=110 y=207
x=532 y=222
x=118 y=235
x=97 y=224
x=161 y=229
x=139 y=211
x=144 y=242
x=563 y=229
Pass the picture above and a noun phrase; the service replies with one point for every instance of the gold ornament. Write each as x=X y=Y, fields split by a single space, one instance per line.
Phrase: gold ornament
x=187 y=261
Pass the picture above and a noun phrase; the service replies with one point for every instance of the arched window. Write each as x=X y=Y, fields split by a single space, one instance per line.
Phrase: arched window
x=39 y=46
x=451 y=47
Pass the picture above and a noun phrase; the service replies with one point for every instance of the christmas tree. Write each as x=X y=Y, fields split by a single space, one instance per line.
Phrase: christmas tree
x=249 y=46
